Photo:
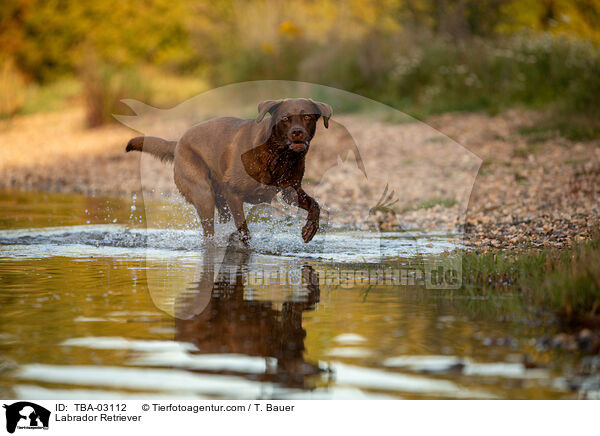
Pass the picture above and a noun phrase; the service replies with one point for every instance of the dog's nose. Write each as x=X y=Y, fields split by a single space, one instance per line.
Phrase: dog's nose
x=297 y=134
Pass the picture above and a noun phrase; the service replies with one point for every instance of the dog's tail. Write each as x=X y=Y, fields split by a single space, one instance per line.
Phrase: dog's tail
x=161 y=148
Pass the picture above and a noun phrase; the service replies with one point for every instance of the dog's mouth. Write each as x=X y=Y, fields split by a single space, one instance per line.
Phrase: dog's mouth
x=298 y=146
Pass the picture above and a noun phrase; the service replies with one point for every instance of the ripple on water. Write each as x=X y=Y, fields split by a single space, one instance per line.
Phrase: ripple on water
x=117 y=240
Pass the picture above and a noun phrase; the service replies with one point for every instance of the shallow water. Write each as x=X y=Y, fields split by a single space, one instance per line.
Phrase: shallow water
x=93 y=305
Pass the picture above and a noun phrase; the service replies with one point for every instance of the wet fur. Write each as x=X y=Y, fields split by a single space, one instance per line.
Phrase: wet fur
x=224 y=162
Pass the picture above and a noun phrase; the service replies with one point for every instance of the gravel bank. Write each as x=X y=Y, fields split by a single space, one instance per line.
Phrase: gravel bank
x=530 y=191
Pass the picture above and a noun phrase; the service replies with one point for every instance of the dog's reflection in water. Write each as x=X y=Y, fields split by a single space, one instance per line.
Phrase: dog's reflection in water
x=217 y=319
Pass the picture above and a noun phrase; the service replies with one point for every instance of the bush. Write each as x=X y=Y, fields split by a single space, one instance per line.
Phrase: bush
x=428 y=74
x=434 y=74
x=12 y=89
x=104 y=86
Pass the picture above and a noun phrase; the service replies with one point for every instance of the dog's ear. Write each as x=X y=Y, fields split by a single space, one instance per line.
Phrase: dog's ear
x=325 y=110
x=265 y=131
x=267 y=106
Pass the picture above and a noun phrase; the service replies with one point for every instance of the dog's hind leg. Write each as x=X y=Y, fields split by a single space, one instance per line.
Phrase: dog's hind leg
x=222 y=207
x=205 y=206
x=193 y=182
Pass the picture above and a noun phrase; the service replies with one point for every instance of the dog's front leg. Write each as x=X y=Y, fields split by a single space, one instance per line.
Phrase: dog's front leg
x=236 y=206
x=298 y=197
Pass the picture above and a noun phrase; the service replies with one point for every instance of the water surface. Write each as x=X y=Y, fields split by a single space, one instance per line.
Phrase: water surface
x=94 y=305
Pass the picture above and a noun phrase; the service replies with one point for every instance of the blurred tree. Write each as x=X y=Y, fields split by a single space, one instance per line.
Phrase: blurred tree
x=233 y=39
x=457 y=18
x=47 y=37
x=12 y=17
x=580 y=18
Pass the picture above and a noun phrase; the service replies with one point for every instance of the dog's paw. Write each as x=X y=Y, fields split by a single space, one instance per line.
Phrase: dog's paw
x=245 y=239
x=239 y=238
x=309 y=230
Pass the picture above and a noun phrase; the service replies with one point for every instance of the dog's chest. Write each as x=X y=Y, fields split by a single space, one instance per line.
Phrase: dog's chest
x=270 y=169
x=260 y=193
x=285 y=170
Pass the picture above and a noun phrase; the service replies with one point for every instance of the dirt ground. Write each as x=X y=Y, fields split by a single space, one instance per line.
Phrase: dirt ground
x=531 y=190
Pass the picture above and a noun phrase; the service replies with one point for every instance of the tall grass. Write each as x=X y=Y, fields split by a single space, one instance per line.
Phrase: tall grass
x=12 y=88
x=51 y=97
x=105 y=85
x=566 y=283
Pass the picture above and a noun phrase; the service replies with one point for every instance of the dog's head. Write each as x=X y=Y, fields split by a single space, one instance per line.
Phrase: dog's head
x=293 y=121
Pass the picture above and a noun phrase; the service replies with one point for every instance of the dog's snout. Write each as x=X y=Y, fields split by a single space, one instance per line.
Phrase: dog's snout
x=298 y=139
x=297 y=133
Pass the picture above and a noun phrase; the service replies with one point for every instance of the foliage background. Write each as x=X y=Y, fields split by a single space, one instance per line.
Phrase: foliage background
x=421 y=56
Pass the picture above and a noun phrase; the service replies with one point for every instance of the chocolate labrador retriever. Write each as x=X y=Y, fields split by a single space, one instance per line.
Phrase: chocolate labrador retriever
x=225 y=162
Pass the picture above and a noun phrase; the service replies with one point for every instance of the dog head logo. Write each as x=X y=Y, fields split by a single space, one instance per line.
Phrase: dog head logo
x=26 y=415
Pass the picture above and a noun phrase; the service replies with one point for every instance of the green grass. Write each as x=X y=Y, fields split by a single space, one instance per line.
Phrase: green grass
x=430 y=203
x=520 y=178
x=163 y=90
x=524 y=152
x=170 y=89
x=565 y=283
x=438 y=139
x=583 y=126
x=384 y=209
x=12 y=88
x=50 y=97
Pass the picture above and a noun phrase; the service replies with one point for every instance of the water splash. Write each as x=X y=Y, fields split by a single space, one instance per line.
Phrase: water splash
x=281 y=239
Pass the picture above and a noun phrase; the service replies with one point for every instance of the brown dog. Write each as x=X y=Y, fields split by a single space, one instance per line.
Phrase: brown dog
x=225 y=162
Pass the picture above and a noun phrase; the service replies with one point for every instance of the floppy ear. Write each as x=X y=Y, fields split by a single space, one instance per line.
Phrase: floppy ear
x=266 y=106
x=325 y=110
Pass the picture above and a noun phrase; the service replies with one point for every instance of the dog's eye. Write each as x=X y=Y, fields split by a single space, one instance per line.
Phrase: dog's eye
x=307 y=117
x=286 y=119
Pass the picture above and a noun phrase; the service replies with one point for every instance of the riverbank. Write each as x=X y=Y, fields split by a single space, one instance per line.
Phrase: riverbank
x=533 y=190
